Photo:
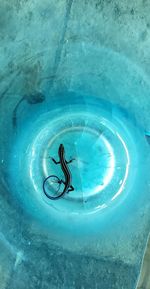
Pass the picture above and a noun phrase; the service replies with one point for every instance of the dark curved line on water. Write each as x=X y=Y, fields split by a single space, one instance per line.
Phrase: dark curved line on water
x=47 y=195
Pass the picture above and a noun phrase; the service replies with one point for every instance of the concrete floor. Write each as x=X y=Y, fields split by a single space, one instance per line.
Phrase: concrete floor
x=38 y=39
x=144 y=282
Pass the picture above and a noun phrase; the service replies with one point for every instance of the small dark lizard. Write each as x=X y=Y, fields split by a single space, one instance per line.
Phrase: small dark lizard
x=67 y=182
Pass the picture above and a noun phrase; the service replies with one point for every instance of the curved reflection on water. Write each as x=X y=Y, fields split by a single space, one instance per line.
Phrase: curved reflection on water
x=108 y=163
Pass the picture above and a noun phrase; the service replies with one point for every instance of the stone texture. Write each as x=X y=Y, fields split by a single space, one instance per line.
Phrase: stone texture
x=38 y=42
x=144 y=281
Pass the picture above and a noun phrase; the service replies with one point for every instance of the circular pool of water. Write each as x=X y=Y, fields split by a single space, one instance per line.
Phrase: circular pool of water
x=101 y=141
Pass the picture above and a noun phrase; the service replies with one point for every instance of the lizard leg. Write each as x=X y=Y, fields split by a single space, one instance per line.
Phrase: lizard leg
x=56 y=163
x=62 y=182
x=71 y=188
x=68 y=162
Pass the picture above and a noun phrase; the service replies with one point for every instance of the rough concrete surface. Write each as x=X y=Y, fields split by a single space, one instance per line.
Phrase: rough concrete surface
x=40 y=46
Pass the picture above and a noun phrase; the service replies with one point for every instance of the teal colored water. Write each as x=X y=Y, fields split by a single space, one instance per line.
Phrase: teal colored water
x=74 y=73
x=108 y=171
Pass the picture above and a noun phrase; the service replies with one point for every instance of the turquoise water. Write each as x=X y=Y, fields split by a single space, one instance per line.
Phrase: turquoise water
x=108 y=172
x=98 y=107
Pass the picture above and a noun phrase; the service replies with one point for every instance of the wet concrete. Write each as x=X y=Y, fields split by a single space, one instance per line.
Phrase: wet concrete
x=38 y=40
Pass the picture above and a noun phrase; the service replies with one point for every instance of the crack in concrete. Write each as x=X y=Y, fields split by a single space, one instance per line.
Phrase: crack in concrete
x=10 y=84
x=61 y=42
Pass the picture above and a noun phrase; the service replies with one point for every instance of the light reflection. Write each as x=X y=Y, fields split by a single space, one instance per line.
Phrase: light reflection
x=110 y=172
x=127 y=168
